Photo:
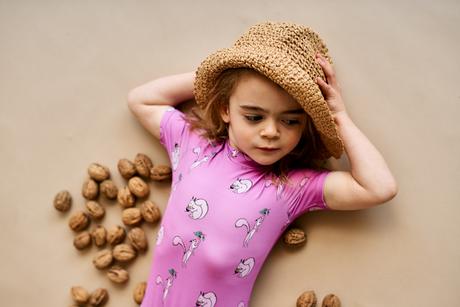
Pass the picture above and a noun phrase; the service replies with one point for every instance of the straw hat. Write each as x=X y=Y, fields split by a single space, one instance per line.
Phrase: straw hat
x=285 y=53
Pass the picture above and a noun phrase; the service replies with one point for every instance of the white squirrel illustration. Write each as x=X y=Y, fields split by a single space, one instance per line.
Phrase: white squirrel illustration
x=160 y=235
x=245 y=267
x=175 y=156
x=177 y=240
x=208 y=299
x=250 y=232
x=241 y=304
x=197 y=208
x=169 y=282
x=177 y=182
x=241 y=185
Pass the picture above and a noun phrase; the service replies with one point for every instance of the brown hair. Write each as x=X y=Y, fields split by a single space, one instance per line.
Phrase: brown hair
x=208 y=119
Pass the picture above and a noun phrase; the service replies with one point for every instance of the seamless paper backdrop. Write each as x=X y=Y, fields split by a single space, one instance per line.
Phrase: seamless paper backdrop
x=66 y=70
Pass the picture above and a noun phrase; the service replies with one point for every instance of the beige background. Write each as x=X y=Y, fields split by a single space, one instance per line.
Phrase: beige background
x=66 y=68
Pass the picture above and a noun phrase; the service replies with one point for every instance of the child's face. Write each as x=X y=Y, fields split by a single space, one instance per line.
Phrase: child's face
x=258 y=118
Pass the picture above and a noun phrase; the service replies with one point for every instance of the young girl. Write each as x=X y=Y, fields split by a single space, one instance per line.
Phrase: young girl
x=247 y=160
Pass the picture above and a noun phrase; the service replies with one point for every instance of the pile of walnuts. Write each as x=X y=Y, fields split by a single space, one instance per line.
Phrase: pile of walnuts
x=114 y=249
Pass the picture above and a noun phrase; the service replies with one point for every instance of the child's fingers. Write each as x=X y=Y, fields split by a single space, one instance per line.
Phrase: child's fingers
x=328 y=70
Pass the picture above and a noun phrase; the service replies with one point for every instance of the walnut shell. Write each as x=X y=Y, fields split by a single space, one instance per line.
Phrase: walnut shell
x=116 y=235
x=331 y=300
x=108 y=189
x=79 y=221
x=307 y=299
x=95 y=209
x=138 y=239
x=90 y=189
x=98 y=172
x=295 y=237
x=99 y=235
x=143 y=165
x=118 y=274
x=79 y=295
x=160 y=172
x=125 y=198
x=103 y=259
x=62 y=201
x=126 y=168
x=138 y=187
x=124 y=252
x=131 y=216
x=139 y=292
x=82 y=240
x=150 y=211
x=99 y=297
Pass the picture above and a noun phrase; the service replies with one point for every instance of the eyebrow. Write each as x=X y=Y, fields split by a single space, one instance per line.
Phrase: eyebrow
x=256 y=108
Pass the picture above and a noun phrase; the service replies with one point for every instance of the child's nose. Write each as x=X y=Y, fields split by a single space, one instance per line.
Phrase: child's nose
x=270 y=130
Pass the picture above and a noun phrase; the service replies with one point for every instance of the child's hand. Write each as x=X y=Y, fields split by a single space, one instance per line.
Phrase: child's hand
x=330 y=89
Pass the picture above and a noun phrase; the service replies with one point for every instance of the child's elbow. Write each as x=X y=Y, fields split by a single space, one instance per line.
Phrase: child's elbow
x=389 y=194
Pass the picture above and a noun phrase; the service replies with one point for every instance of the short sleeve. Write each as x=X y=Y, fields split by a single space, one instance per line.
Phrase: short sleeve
x=173 y=129
x=308 y=192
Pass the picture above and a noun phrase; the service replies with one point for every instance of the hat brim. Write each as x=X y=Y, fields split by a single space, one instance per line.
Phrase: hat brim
x=280 y=68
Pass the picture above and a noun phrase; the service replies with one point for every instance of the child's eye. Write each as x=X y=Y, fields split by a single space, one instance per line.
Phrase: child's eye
x=253 y=118
x=291 y=122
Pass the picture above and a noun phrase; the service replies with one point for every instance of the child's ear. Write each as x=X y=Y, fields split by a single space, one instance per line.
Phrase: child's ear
x=224 y=113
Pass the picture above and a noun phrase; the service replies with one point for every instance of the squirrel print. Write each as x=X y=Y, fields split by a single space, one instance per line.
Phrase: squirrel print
x=175 y=156
x=250 y=232
x=197 y=208
x=198 y=161
x=177 y=240
x=206 y=299
x=160 y=235
x=169 y=282
x=302 y=183
x=241 y=186
x=245 y=267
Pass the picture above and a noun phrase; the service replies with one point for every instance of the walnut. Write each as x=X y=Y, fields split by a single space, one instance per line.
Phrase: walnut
x=98 y=172
x=95 y=210
x=294 y=237
x=126 y=198
x=138 y=239
x=82 y=240
x=109 y=189
x=90 y=189
x=62 y=201
x=150 y=211
x=138 y=187
x=103 y=259
x=79 y=295
x=307 y=299
x=99 y=297
x=124 y=252
x=143 y=165
x=99 y=235
x=160 y=172
x=126 y=168
x=79 y=221
x=116 y=235
x=118 y=274
x=139 y=292
x=331 y=300
x=131 y=216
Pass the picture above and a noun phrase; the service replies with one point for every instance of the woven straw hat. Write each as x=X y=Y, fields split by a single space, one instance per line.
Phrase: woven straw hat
x=285 y=53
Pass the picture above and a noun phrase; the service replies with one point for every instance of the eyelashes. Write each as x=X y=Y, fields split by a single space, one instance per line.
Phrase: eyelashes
x=257 y=118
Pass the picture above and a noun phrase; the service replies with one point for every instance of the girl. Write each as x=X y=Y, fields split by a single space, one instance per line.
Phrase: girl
x=247 y=159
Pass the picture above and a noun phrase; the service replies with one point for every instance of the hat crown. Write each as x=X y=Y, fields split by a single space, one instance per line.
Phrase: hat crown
x=297 y=42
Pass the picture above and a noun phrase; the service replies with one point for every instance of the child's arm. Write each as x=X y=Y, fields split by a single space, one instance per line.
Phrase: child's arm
x=148 y=102
x=370 y=181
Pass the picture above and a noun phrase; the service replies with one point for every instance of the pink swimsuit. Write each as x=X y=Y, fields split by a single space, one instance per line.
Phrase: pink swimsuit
x=222 y=219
